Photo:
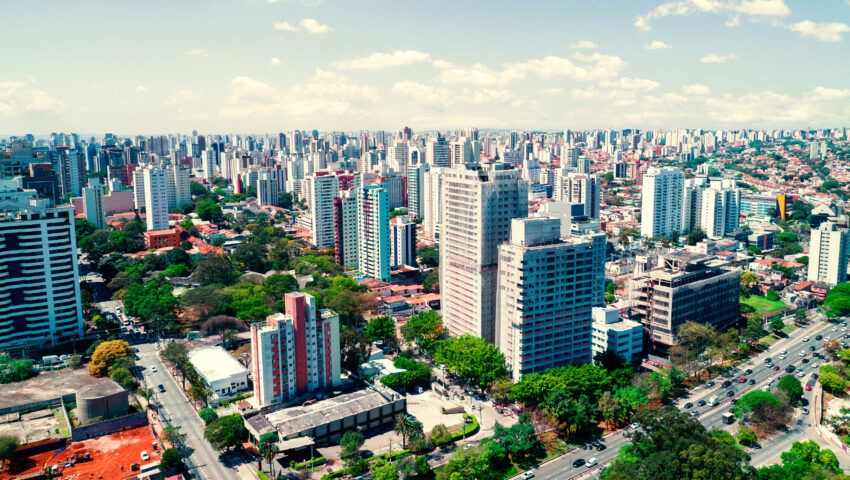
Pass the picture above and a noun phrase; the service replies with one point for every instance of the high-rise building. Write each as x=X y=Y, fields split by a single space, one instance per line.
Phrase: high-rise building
x=477 y=206
x=322 y=191
x=139 y=188
x=661 y=202
x=346 y=231
x=269 y=186
x=397 y=157
x=156 y=198
x=615 y=334
x=828 y=253
x=684 y=287
x=403 y=242
x=394 y=184
x=295 y=352
x=93 y=204
x=545 y=296
x=209 y=163
x=415 y=183
x=177 y=186
x=373 y=222
x=437 y=152
x=70 y=167
x=40 y=286
x=432 y=193
x=579 y=188
x=713 y=207
x=461 y=152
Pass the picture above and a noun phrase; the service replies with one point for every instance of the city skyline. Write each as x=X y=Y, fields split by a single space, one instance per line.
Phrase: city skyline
x=266 y=66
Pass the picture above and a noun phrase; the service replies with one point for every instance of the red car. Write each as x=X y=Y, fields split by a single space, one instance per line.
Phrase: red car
x=743 y=380
x=776 y=368
x=808 y=388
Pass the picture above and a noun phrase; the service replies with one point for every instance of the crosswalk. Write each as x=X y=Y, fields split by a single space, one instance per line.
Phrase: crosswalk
x=146 y=354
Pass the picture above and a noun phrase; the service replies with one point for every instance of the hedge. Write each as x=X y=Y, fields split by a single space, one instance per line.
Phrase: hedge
x=313 y=463
x=467 y=429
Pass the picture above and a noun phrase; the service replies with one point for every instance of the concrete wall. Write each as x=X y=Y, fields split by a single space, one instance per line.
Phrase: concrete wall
x=31 y=407
x=112 y=425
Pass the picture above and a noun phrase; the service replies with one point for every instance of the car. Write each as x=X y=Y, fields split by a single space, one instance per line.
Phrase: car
x=819 y=337
x=701 y=403
x=578 y=463
x=748 y=372
x=726 y=383
x=730 y=393
x=805 y=360
x=743 y=379
x=783 y=357
x=826 y=338
x=815 y=365
x=527 y=475
x=592 y=462
x=711 y=383
x=160 y=388
x=783 y=352
x=789 y=368
x=601 y=470
x=145 y=456
x=694 y=413
x=801 y=374
x=767 y=360
x=805 y=410
x=776 y=368
x=635 y=426
x=803 y=402
x=600 y=447
x=812 y=348
x=834 y=329
x=815 y=376
x=806 y=339
x=153 y=369
x=808 y=388
x=689 y=405
x=731 y=409
x=802 y=354
x=752 y=381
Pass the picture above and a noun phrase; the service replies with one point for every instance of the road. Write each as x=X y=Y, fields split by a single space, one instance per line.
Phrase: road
x=711 y=417
x=174 y=409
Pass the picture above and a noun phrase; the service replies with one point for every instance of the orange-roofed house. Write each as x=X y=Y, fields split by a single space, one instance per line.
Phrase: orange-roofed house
x=162 y=238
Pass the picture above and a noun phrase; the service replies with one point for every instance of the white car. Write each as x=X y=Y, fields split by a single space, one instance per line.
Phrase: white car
x=815 y=365
x=145 y=456
x=592 y=462
x=801 y=374
x=783 y=357
x=806 y=339
x=635 y=426
x=527 y=475
x=153 y=369
x=802 y=354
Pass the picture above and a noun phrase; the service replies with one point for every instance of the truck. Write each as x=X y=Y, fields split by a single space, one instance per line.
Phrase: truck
x=712 y=401
x=728 y=418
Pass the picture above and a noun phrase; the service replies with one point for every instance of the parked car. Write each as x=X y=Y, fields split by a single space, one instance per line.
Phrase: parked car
x=805 y=411
x=145 y=456
x=819 y=337
x=160 y=388
x=578 y=463
x=752 y=381
x=527 y=475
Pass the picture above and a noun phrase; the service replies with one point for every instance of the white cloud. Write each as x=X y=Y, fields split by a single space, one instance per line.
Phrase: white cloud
x=380 y=60
x=141 y=89
x=622 y=90
x=309 y=25
x=426 y=94
x=584 y=45
x=830 y=32
x=715 y=58
x=581 y=66
x=696 y=89
x=733 y=8
x=285 y=27
x=830 y=94
x=182 y=97
x=275 y=62
x=550 y=92
x=733 y=21
x=199 y=52
x=657 y=45
x=21 y=100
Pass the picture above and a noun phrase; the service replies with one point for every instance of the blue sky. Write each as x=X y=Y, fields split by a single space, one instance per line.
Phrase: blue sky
x=254 y=66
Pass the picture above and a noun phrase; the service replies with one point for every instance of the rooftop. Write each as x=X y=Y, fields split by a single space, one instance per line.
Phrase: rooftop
x=215 y=363
x=102 y=389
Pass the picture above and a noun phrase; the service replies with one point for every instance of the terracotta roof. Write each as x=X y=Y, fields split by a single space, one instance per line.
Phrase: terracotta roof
x=394 y=298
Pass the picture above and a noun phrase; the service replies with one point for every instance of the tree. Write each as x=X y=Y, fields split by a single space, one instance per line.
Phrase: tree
x=208 y=415
x=355 y=348
x=8 y=447
x=284 y=200
x=426 y=328
x=268 y=446
x=611 y=408
x=197 y=189
x=694 y=341
x=428 y=256
x=746 y=436
x=123 y=377
x=407 y=427
x=670 y=445
x=832 y=382
x=384 y=470
x=803 y=460
x=472 y=358
x=171 y=459
x=174 y=436
x=792 y=387
x=251 y=256
x=351 y=443
x=800 y=316
x=431 y=284
x=209 y=211
x=754 y=330
x=215 y=270
x=277 y=285
x=751 y=400
x=696 y=235
x=152 y=301
x=422 y=467
x=226 y=432
x=440 y=434
x=519 y=441
x=12 y=370
x=106 y=354
x=776 y=324
x=838 y=300
x=382 y=328
x=772 y=295
x=83 y=228
x=608 y=176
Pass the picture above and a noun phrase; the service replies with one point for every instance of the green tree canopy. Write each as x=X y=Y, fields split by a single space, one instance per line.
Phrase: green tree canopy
x=382 y=328
x=226 y=432
x=792 y=387
x=472 y=358
x=426 y=328
x=428 y=256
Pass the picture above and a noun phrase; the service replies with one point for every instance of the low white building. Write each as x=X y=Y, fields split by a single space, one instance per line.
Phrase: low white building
x=222 y=373
x=610 y=332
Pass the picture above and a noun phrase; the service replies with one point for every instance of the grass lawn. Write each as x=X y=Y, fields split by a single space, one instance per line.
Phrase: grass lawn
x=763 y=305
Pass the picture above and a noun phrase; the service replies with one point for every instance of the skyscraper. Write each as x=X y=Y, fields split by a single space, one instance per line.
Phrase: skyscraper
x=177 y=186
x=156 y=198
x=661 y=202
x=346 y=231
x=40 y=287
x=415 y=183
x=431 y=199
x=323 y=188
x=437 y=152
x=477 y=205
x=545 y=298
x=93 y=204
x=397 y=157
x=579 y=188
x=714 y=207
x=828 y=254
x=373 y=221
x=402 y=241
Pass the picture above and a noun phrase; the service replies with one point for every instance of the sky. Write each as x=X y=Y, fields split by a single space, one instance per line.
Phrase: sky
x=263 y=66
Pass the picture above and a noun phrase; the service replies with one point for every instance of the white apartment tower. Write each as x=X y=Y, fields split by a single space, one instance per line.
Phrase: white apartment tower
x=431 y=195
x=402 y=242
x=156 y=198
x=714 y=207
x=323 y=189
x=177 y=186
x=661 y=202
x=579 y=188
x=545 y=298
x=477 y=206
x=828 y=253
x=208 y=164
x=397 y=157
x=437 y=152
x=93 y=204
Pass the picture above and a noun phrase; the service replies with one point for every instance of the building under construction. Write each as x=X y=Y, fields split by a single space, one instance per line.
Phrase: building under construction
x=683 y=287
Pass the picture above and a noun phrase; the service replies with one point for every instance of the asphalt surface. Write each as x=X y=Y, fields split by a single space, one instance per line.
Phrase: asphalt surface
x=712 y=417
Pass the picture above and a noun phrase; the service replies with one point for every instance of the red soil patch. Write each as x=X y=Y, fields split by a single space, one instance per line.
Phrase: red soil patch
x=111 y=457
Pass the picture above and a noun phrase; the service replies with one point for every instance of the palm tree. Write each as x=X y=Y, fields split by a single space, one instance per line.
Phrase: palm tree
x=407 y=427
